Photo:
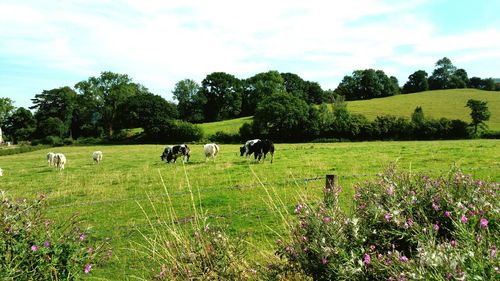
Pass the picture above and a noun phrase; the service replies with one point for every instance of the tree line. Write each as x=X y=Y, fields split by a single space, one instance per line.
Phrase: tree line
x=283 y=104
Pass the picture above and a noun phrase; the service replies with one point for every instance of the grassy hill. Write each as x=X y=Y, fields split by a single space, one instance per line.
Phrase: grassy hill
x=436 y=104
x=228 y=126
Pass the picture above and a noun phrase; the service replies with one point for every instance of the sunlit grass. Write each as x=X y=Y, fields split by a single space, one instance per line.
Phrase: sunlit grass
x=231 y=190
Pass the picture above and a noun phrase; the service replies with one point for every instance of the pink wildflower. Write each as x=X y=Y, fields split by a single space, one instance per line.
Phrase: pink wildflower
x=435 y=206
x=403 y=259
x=436 y=227
x=447 y=214
x=493 y=251
x=327 y=219
x=88 y=266
x=479 y=238
x=387 y=216
x=463 y=219
x=82 y=236
x=34 y=248
x=324 y=260
x=483 y=222
x=46 y=244
x=367 y=259
x=453 y=243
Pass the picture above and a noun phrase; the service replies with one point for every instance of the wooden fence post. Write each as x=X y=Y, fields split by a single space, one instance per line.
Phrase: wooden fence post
x=331 y=182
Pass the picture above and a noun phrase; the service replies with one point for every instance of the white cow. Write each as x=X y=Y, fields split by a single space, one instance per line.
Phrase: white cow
x=1 y=172
x=210 y=150
x=51 y=158
x=60 y=161
x=97 y=156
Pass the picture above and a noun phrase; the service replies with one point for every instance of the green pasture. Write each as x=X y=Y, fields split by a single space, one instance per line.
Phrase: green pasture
x=231 y=191
x=436 y=104
x=228 y=126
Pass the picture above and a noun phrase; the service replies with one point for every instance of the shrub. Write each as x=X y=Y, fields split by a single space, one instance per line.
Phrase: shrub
x=35 y=248
x=21 y=149
x=402 y=227
x=223 y=137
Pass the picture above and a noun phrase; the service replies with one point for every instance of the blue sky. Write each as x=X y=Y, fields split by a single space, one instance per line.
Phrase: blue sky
x=49 y=44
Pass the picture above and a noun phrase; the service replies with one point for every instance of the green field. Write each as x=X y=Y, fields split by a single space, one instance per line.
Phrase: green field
x=436 y=104
x=228 y=126
x=231 y=191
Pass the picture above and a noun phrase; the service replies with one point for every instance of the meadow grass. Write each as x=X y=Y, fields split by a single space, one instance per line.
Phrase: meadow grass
x=435 y=104
x=228 y=126
x=232 y=191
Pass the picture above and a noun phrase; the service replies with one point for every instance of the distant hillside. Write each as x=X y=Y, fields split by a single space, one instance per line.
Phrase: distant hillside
x=436 y=104
x=227 y=126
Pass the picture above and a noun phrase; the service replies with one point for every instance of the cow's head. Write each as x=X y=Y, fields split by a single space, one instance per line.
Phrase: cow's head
x=242 y=150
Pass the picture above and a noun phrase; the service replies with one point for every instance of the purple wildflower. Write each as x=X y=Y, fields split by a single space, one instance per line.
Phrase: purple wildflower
x=453 y=243
x=367 y=259
x=436 y=227
x=34 y=248
x=447 y=214
x=327 y=219
x=435 y=206
x=483 y=222
x=449 y=275
x=82 y=236
x=88 y=266
x=387 y=216
x=403 y=259
x=324 y=260
x=463 y=219
x=409 y=222
x=493 y=251
x=479 y=238
x=46 y=244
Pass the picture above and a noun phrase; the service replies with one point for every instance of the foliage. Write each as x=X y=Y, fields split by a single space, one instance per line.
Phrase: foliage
x=144 y=110
x=191 y=101
x=258 y=87
x=106 y=93
x=447 y=76
x=6 y=108
x=173 y=130
x=281 y=117
x=33 y=247
x=223 y=137
x=223 y=93
x=21 y=149
x=402 y=226
x=417 y=82
x=21 y=125
x=367 y=84
x=479 y=114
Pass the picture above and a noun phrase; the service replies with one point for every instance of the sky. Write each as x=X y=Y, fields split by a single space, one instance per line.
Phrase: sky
x=48 y=44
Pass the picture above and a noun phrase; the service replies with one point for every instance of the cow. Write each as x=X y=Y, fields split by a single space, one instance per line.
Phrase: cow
x=259 y=148
x=60 y=160
x=250 y=146
x=172 y=152
x=97 y=156
x=268 y=146
x=210 y=150
x=51 y=159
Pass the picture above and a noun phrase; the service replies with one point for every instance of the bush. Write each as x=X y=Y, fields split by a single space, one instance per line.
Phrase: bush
x=223 y=137
x=21 y=149
x=491 y=135
x=402 y=227
x=35 y=248
x=88 y=140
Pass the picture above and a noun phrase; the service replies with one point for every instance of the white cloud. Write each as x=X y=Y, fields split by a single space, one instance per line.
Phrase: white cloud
x=161 y=42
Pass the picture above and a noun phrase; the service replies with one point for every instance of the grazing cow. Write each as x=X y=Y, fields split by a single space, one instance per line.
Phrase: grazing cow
x=268 y=146
x=51 y=158
x=60 y=160
x=251 y=146
x=210 y=150
x=97 y=156
x=259 y=148
x=1 y=172
x=172 y=152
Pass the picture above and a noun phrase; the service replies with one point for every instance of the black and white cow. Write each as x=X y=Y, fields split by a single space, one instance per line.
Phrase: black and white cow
x=172 y=152
x=258 y=148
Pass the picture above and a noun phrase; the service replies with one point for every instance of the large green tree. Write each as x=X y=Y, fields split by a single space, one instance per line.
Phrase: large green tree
x=479 y=114
x=6 y=108
x=109 y=90
x=21 y=125
x=282 y=117
x=190 y=101
x=417 y=82
x=309 y=91
x=447 y=76
x=258 y=87
x=57 y=103
x=367 y=84
x=223 y=93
